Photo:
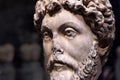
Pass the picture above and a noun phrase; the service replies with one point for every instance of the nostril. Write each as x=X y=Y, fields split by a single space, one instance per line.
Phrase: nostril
x=56 y=51
x=60 y=51
x=53 y=49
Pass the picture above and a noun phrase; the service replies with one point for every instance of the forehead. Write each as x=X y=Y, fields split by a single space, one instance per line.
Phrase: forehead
x=63 y=16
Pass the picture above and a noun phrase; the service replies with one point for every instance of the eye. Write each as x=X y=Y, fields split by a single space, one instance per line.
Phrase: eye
x=46 y=36
x=70 y=33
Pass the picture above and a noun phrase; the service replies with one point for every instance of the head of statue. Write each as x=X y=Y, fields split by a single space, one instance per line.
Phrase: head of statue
x=76 y=36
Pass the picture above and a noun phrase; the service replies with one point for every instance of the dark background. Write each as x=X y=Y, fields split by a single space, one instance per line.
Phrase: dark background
x=17 y=28
x=16 y=24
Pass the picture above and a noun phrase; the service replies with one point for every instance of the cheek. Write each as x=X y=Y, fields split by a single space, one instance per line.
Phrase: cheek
x=79 y=47
x=47 y=49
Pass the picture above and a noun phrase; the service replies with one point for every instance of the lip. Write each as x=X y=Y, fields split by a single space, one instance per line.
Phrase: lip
x=61 y=62
x=59 y=66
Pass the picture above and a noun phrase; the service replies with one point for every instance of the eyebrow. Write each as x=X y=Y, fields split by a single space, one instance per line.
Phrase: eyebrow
x=44 y=28
x=71 y=24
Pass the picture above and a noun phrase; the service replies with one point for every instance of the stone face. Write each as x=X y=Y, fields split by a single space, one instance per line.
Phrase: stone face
x=76 y=37
x=78 y=40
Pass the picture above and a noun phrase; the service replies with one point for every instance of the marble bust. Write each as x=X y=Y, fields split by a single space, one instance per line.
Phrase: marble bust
x=77 y=36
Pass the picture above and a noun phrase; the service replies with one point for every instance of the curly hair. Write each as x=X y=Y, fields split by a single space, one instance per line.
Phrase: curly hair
x=97 y=14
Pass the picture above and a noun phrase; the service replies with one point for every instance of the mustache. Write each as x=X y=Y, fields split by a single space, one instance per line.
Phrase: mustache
x=62 y=59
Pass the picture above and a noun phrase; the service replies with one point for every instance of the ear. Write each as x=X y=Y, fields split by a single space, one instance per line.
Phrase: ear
x=103 y=51
x=104 y=46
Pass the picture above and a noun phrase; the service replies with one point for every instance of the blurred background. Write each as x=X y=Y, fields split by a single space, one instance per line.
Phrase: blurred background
x=17 y=32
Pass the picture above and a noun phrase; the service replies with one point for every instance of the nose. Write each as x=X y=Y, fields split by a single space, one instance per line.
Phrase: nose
x=56 y=48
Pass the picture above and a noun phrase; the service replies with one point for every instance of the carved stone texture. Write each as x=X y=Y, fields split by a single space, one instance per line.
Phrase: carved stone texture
x=77 y=35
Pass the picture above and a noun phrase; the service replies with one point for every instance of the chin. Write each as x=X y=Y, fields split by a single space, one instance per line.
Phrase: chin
x=62 y=75
x=61 y=69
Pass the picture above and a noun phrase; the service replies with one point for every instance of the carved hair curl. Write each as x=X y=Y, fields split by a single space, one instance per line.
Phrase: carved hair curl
x=97 y=14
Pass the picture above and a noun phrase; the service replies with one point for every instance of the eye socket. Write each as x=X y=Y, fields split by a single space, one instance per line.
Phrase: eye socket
x=46 y=36
x=70 y=33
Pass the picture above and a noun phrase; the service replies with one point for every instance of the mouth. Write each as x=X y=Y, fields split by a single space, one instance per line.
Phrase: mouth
x=61 y=63
x=57 y=65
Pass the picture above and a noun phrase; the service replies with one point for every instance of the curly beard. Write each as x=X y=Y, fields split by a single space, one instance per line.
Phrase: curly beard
x=88 y=69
